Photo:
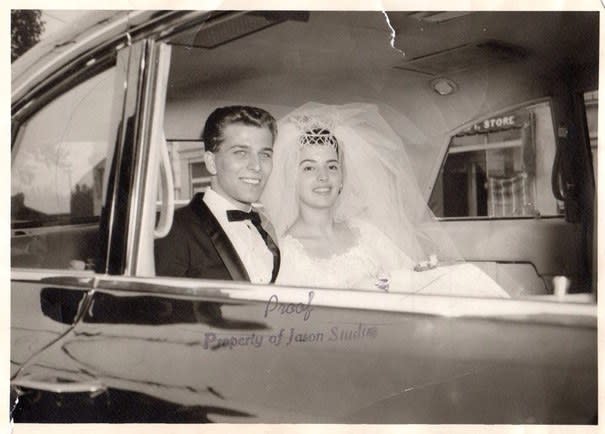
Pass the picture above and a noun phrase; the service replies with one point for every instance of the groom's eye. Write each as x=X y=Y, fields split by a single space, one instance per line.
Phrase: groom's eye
x=266 y=154
x=307 y=168
x=334 y=167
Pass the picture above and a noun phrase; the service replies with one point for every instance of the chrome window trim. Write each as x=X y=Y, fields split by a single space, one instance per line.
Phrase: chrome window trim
x=487 y=218
x=66 y=277
x=131 y=61
x=571 y=313
x=143 y=219
x=51 y=229
x=142 y=112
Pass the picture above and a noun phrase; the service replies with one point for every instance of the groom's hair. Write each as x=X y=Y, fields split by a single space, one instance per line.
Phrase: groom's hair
x=219 y=119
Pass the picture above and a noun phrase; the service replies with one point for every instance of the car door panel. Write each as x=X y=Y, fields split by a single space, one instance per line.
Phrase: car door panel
x=344 y=364
x=42 y=311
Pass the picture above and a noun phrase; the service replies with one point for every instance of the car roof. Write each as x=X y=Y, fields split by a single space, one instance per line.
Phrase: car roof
x=88 y=32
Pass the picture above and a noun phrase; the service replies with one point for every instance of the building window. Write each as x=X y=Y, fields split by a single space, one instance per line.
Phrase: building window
x=199 y=177
x=499 y=167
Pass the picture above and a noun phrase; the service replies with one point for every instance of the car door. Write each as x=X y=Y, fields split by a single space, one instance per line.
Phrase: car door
x=72 y=160
x=185 y=350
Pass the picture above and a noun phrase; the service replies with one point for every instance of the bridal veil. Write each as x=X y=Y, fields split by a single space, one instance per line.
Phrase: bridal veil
x=379 y=182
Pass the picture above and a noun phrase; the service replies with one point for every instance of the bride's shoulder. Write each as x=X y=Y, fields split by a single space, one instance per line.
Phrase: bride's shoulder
x=293 y=237
x=295 y=232
x=369 y=233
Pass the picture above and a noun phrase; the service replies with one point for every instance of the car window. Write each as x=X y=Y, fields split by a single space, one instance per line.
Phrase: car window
x=59 y=174
x=499 y=167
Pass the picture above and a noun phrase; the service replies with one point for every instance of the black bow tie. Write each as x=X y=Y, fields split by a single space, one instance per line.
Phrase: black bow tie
x=235 y=215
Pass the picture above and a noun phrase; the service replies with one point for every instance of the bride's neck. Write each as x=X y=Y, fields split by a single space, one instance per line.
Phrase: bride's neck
x=319 y=222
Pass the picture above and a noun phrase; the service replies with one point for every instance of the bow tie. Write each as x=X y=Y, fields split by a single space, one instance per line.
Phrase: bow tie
x=236 y=215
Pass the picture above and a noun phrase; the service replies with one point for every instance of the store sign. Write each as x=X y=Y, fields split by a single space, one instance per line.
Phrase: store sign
x=497 y=123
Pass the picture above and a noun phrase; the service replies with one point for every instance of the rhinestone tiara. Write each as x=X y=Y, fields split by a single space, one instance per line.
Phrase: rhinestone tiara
x=315 y=131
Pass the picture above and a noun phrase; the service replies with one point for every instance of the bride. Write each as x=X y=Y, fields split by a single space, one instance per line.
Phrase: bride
x=348 y=212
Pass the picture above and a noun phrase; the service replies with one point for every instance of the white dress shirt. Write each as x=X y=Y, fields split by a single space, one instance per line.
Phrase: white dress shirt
x=247 y=241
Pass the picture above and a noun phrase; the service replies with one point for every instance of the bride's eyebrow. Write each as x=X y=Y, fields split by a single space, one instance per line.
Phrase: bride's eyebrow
x=307 y=161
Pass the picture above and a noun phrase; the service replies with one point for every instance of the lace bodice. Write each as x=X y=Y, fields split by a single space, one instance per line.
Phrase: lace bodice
x=359 y=266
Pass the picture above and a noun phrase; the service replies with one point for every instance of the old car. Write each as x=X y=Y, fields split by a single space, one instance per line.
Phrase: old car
x=498 y=113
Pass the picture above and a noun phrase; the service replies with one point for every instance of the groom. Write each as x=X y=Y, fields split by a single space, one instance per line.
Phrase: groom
x=219 y=235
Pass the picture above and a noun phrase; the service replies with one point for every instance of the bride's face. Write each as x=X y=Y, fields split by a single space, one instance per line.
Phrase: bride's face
x=319 y=176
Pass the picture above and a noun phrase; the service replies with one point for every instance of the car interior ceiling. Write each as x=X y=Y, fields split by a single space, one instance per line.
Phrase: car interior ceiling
x=335 y=58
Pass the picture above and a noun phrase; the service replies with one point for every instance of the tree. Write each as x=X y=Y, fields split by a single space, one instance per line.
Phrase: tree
x=26 y=28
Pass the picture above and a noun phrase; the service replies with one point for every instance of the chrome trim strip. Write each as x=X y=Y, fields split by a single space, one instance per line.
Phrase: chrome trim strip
x=411 y=303
x=144 y=89
x=47 y=386
x=41 y=230
x=67 y=277
x=123 y=69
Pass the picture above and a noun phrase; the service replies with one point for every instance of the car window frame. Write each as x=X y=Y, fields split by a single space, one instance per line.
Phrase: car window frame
x=437 y=168
x=44 y=94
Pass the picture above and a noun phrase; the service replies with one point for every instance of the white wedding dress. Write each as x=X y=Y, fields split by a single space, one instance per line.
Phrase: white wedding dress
x=374 y=256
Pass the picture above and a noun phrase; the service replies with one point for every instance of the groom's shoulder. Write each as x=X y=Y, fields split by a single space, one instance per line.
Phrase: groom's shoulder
x=192 y=210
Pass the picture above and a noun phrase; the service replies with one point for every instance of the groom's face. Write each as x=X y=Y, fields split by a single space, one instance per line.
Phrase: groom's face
x=242 y=163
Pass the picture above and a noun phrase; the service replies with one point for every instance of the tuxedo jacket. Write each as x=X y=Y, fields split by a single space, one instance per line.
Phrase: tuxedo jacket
x=198 y=247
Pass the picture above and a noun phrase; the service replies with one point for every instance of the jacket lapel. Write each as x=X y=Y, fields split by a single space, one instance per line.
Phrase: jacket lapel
x=268 y=227
x=221 y=242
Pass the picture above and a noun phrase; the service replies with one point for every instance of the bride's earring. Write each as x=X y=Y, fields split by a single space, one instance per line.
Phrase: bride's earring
x=340 y=189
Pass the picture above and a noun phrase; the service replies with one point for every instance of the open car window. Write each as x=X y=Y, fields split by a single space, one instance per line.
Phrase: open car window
x=475 y=112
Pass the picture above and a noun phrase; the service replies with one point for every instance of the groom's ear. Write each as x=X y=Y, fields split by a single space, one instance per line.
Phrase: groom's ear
x=210 y=162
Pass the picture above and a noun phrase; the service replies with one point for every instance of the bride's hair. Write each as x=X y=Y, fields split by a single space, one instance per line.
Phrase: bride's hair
x=323 y=137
